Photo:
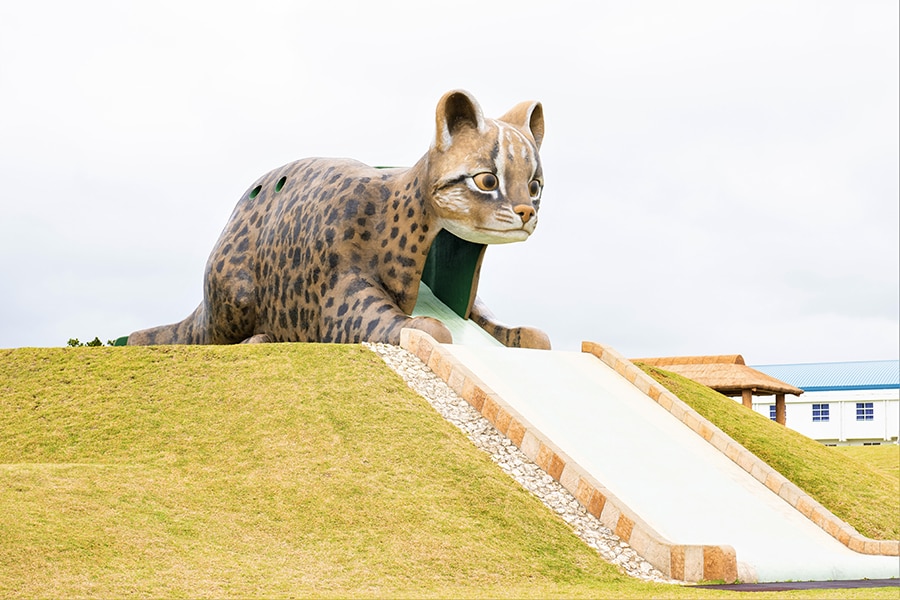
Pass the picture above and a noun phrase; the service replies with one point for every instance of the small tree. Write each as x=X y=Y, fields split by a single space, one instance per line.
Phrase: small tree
x=75 y=343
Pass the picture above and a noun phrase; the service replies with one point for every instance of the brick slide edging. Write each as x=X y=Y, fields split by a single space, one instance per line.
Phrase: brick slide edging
x=761 y=471
x=677 y=561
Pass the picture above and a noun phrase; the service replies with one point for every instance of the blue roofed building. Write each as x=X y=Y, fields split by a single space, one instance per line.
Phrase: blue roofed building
x=843 y=402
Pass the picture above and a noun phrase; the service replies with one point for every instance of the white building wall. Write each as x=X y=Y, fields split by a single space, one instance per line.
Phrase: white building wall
x=842 y=426
x=892 y=420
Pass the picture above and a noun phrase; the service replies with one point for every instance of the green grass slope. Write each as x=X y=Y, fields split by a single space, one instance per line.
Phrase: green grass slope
x=846 y=482
x=274 y=470
x=884 y=458
x=271 y=470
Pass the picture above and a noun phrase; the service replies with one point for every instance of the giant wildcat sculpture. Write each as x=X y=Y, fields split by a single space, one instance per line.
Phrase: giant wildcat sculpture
x=332 y=250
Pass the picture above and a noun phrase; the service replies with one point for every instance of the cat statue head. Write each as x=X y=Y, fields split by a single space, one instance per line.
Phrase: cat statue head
x=486 y=178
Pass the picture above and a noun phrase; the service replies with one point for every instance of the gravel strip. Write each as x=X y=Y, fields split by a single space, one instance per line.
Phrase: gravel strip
x=503 y=452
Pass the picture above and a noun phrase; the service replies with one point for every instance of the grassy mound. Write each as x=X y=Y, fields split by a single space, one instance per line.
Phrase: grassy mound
x=844 y=481
x=265 y=471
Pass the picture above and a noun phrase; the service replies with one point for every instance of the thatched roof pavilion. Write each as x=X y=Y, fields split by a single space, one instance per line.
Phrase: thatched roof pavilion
x=728 y=375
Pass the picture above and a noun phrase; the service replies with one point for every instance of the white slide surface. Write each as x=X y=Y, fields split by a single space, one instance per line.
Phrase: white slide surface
x=677 y=482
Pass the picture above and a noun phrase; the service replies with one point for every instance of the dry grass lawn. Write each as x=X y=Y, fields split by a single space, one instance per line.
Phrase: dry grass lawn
x=275 y=470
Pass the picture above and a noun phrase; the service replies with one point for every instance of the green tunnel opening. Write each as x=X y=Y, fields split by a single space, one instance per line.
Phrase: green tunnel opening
x=452 y=270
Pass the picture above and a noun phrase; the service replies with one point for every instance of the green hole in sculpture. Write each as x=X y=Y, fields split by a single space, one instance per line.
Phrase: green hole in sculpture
x=452 y=269
x=280 y=184
x=255 y=191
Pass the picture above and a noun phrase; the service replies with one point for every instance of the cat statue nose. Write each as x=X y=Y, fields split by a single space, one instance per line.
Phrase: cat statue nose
x=526 y=211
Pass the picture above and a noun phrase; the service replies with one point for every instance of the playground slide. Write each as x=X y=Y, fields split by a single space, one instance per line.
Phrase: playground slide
x=677 y=482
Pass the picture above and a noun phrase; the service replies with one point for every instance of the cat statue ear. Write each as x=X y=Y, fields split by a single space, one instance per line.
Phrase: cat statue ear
x=527 y=116
x=455 y=110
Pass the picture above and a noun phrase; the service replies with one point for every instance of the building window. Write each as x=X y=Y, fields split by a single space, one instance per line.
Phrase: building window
x=772 y=412
x=865 y=411
x=820 y=413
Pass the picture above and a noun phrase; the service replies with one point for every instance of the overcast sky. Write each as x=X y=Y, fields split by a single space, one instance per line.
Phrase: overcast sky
x=721 y=177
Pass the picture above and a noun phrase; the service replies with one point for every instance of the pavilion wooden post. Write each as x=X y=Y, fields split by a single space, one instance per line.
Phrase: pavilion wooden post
x=747 y=398
x=780 y=412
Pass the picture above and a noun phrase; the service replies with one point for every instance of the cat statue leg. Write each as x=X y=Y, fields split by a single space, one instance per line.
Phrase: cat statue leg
x=512 y=337
x=433 y=327
x=367 y=313
x=259 y=338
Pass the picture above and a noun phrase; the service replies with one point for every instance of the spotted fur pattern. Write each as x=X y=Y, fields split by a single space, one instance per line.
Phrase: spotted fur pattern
x=329 y=250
